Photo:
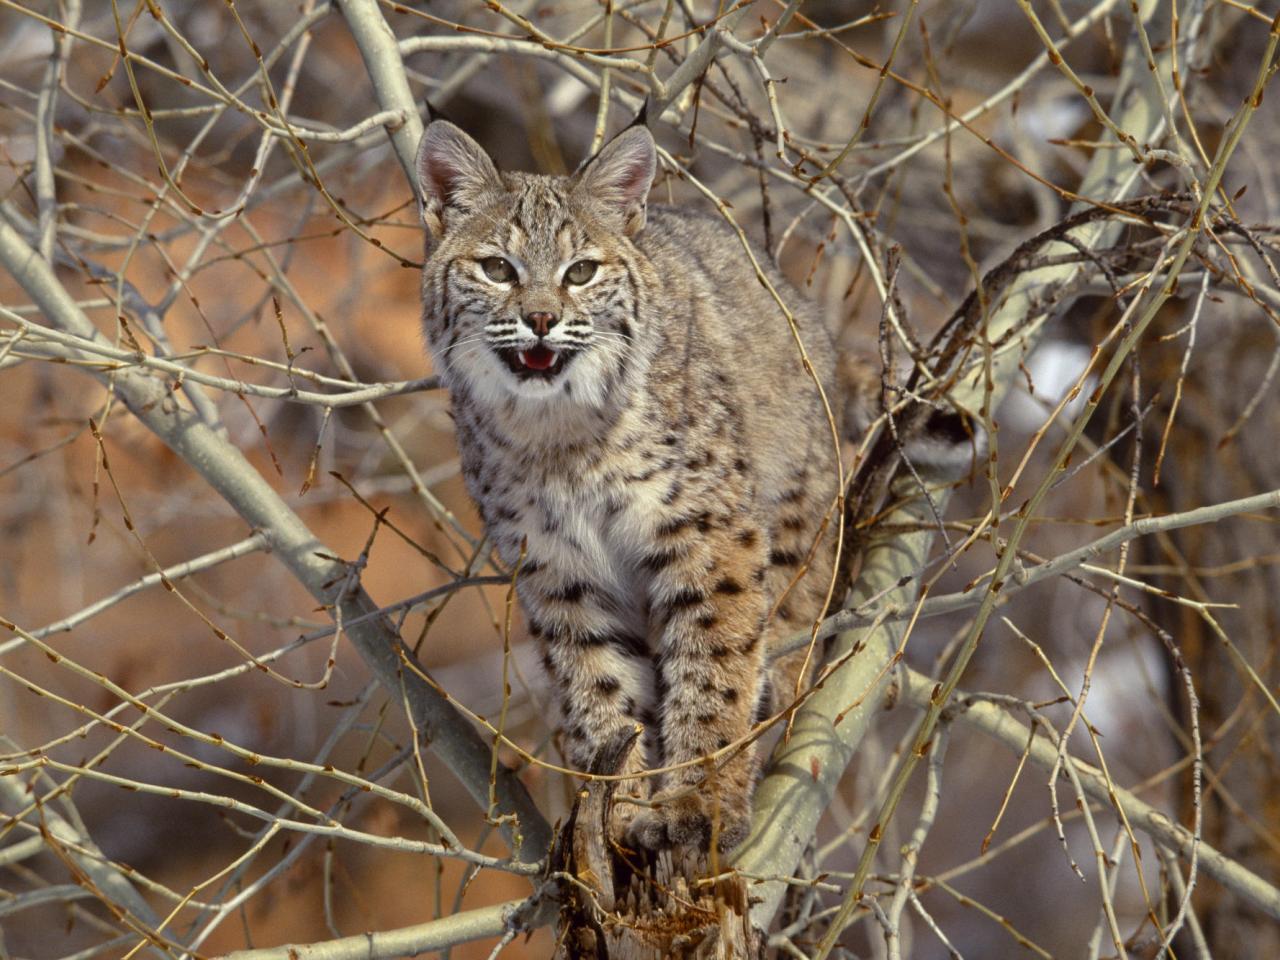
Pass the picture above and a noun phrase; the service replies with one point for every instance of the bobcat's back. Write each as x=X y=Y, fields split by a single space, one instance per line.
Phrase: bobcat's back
x=736 y=329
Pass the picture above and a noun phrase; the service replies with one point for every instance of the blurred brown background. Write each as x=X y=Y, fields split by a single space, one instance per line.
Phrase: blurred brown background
x=324 y=274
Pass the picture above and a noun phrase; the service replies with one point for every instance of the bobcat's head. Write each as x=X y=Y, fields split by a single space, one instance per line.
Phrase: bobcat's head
x=530 y=289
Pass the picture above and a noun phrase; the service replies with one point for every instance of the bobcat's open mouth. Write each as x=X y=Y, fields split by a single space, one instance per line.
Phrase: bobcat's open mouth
x=539 y=361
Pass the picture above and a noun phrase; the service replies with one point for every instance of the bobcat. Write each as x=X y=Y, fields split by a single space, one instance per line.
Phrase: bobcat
x=641 y=435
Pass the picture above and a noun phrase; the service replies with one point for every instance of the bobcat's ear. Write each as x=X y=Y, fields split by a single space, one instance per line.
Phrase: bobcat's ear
x=453 y=173
x=619 y=176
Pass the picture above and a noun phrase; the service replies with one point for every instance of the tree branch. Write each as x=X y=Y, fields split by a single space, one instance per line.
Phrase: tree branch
x=880 y=610
x=98 y=870
x=806 y=767
x=999 y=725
x=225 y=468
x=479 y=924
x=390 y=84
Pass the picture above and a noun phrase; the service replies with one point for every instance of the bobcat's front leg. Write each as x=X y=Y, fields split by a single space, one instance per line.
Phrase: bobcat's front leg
x=601 y=672
x=709 y=607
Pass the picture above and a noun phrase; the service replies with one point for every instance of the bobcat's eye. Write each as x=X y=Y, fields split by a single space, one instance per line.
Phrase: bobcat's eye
x=580 y=272
x=498 y=270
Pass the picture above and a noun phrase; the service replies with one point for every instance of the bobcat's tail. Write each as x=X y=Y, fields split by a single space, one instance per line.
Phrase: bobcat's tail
x=945 y=446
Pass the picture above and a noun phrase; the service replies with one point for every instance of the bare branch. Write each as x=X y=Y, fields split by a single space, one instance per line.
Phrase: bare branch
x=1000 y=725
x=233 y=477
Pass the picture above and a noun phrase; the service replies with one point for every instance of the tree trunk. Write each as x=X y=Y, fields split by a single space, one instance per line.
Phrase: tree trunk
x=625 y=905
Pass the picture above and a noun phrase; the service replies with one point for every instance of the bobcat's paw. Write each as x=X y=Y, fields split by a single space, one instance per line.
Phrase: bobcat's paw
x=688 y=821
x=622 y=814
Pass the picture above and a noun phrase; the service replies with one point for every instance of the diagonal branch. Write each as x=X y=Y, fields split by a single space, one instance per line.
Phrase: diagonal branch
x=225 y=468
x=83 y=852
x=390 y=83
x=479 y=924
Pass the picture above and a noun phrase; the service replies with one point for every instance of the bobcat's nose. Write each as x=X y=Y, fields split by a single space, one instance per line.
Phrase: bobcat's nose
x=541 y=322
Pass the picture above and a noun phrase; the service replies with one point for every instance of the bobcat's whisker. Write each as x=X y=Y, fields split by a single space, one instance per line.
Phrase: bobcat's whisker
x=465 y=341
x=608 y=335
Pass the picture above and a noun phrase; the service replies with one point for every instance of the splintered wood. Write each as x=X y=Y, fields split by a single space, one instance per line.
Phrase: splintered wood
x=632 y=905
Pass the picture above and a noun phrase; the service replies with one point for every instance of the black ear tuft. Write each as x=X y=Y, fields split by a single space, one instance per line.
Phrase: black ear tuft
x=642 y=118
x=434 y=113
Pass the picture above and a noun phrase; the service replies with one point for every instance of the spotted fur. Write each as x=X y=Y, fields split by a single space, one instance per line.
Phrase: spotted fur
x=666 y=478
